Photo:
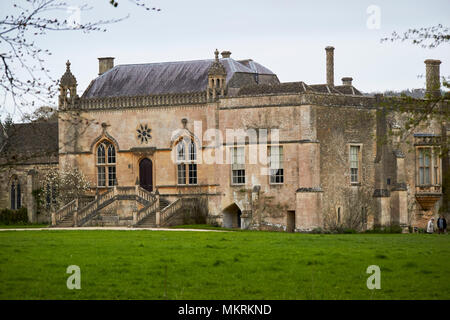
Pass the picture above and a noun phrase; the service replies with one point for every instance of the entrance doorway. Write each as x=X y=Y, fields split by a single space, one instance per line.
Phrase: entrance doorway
x=232 y=216
x=146 y=174
x=290 y=221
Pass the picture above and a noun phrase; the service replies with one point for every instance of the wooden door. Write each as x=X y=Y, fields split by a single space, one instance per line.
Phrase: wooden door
x=146 y=174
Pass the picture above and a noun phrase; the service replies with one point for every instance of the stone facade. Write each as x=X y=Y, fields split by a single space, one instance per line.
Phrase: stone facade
x=336 y=172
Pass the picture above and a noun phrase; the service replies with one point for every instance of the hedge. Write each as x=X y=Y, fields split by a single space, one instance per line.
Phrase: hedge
x=8 y=216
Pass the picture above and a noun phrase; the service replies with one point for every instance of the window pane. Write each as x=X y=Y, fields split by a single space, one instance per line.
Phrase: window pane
x=427 y=175
x=101 y=178
x=13 y=196
x=276 y=176
x=111 y=154
x=238 y=176
x=238 y=156
x=436 y=175
x=354 y=174
x=276 y=165
x=112 y=176
x=192 y=151
x=181 y=172
x=180 y=151
x=19 y=197
x=421 y=179
x=427 y=159
x=54 y=193
x=48 y=196
x=354 y=163
x=101 y=154
x=192 y=173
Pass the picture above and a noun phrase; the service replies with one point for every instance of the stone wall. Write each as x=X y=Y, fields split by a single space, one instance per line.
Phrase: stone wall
x=31 y=177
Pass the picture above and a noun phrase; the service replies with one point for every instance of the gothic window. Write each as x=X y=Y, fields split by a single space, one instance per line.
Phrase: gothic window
x=354 y=164
x=237 y=165
x=15 y=195
x=186 y=161
x=106 y=165
x=428 y=166
x=276 y=164
x=50 y=195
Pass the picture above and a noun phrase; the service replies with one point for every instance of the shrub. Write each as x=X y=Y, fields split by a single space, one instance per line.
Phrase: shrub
x=317 y=231
x=8 y=216
x=388 y=229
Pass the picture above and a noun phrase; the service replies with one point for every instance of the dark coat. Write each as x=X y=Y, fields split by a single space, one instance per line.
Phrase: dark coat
x=445 y=222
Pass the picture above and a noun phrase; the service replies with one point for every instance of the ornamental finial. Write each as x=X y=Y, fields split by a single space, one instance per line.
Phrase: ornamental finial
x=216 y=54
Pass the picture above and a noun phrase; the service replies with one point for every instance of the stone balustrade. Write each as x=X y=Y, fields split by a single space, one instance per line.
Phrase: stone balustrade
x=138 y=101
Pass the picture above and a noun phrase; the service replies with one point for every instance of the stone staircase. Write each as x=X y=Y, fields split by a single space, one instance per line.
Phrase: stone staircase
x=74 y=215
x=156 y=210
x=67 y=221
x=150 y=220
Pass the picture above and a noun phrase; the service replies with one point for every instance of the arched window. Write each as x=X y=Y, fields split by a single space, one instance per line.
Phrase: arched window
x=15 y=194
x=106 y=164
x=181 y=151
x=50 y=195
x=188 y=163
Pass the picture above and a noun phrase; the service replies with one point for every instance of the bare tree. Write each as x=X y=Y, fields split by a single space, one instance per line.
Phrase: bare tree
x=25 y=78
x=426 y=37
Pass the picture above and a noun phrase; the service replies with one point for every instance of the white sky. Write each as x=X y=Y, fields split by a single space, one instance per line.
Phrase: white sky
x=286 y=36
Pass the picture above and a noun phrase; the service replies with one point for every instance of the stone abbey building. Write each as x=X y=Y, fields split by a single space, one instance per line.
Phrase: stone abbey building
x=227 y=137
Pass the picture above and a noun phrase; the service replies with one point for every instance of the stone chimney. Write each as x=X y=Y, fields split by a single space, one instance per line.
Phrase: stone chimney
x=225 y=54
x=330 y=66
x=433 y=86
x=347 y=81
x=104 y=64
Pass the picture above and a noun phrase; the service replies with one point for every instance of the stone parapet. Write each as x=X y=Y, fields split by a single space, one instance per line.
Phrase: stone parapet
x=138 y=101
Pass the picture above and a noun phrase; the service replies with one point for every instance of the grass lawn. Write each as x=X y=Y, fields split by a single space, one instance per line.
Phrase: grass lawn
x=222 y=265
x=18 y=226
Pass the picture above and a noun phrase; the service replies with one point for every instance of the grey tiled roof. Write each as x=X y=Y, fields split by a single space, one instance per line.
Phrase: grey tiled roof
x=35 y=142
x=296 y=87
x=164 y=77
x=286 y=87
x=348 y=90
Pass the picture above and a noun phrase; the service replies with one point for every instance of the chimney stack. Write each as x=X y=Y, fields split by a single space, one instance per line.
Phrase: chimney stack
x=225 y=54
x=330 y=66
x=347 y=81
x=105 y=64
x=433 y=86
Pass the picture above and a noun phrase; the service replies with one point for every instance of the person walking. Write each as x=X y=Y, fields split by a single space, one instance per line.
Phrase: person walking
x=442 y=224
x=430 y=226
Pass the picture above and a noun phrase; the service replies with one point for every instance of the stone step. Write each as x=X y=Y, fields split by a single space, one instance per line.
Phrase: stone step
x=163 y=203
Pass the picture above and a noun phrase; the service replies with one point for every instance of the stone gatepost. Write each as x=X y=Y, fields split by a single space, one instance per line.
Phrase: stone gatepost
x=53 y=218
x=158 y=210
x=75 y=214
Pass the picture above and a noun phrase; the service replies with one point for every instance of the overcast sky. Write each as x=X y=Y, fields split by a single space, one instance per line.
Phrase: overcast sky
x=286 y=36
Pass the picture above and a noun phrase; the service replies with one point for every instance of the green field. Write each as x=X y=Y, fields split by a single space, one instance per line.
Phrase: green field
x=222 y=265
